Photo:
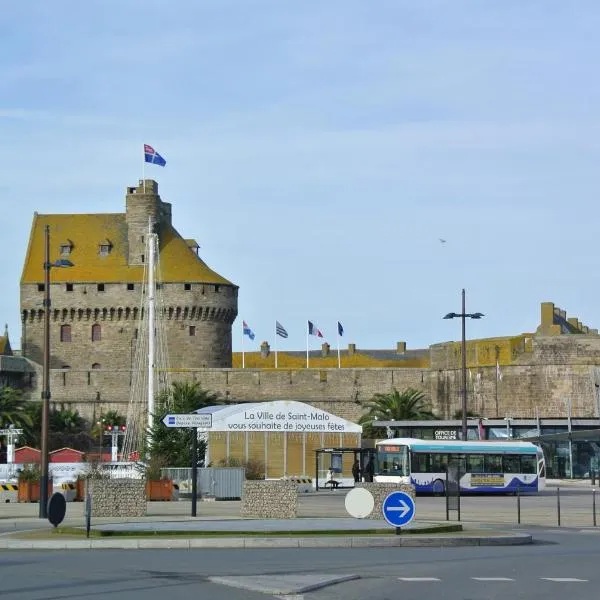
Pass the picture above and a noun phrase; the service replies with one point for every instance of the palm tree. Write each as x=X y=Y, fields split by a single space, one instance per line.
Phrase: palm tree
x=410 y=405
x=173 y=445
x=13 y=408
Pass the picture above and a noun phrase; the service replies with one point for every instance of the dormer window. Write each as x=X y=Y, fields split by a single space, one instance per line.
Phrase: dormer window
x=66 y=247
x=105 y=247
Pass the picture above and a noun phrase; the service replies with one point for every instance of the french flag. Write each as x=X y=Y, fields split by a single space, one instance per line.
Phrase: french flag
x=313 y=330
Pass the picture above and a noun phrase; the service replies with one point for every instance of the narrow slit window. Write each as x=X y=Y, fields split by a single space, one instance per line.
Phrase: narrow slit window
x=192 y=330
x=65 y=333
x=96 y=333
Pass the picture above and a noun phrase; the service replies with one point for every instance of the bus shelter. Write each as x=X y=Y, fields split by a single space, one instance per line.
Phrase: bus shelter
x=340 y=461
x=279 y=437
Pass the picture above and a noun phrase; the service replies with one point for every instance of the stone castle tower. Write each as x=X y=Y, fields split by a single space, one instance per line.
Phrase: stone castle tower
x=96 y=303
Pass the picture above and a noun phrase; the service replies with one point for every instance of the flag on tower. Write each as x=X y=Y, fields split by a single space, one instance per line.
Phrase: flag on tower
x=247 y=330
x=152 y=156
x=280 y=330
x=340 y=329
x=313 y=330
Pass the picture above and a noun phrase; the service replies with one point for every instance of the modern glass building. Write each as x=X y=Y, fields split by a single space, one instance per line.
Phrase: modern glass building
x=571 y=446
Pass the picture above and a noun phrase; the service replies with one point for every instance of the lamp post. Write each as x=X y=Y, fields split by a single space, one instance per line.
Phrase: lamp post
x=46 y=371
x=463 y=316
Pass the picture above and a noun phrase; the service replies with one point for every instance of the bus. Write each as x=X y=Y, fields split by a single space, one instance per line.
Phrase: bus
x=484 y=467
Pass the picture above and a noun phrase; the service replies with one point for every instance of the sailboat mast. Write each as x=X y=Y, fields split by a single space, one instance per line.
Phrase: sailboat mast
x=151 y=323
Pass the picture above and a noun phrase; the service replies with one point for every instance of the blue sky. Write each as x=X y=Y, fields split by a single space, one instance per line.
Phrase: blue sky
x=318 y=150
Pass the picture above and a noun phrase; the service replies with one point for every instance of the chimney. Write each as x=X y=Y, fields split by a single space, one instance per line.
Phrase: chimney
x=265 y=350
x=351 y=349
x=400 y=347
x=325 y=349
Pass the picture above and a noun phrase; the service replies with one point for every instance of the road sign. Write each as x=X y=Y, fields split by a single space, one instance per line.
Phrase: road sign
x=398 y=509
x=191 y=420
x=11 y=431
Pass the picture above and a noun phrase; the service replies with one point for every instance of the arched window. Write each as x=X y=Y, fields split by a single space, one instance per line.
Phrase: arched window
x=96 y=366
x=96 y=333
x=65 y=333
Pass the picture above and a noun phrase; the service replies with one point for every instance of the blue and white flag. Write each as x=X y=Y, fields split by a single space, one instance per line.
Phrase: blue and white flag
x=152 y=156
x=280 y=330
x=247 y=330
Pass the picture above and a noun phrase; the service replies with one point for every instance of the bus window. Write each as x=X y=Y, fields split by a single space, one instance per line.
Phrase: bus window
x=475 y=463
x=512 y=463
x=421 y=463
x=493 y=463
x=439 y=463
x=529 y=464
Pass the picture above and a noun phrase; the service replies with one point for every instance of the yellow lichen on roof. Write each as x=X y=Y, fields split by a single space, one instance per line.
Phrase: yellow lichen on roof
x=178 y=262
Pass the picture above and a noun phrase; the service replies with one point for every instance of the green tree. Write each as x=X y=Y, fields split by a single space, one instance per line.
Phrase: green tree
x=174 y=445
x=410 y=405
x=13 y=408
x=68 y=429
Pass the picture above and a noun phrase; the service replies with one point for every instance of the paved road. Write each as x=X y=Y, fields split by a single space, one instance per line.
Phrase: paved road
x=563 y=564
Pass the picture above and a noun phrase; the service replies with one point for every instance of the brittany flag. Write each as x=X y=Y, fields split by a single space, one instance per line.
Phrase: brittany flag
x=152 y=156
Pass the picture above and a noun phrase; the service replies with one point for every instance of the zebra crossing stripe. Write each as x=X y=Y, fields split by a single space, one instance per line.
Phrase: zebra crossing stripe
x=563 y=579
x=416 y=579
x=492 y=578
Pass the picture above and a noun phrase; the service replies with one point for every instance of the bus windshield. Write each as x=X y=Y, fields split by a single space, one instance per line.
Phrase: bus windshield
x=392 y=460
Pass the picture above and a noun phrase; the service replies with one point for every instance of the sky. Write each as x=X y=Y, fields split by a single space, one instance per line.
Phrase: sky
x=318 y=151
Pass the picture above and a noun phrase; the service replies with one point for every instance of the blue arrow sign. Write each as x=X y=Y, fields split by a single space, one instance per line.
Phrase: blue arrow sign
x=398 y=509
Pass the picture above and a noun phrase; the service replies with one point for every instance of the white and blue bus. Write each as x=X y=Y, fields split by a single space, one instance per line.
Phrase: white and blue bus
x=484 y=467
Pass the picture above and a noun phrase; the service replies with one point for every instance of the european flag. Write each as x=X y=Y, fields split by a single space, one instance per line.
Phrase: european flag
x=152 y=156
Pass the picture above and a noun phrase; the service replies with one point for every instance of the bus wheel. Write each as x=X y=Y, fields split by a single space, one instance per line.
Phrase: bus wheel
x=438 y=487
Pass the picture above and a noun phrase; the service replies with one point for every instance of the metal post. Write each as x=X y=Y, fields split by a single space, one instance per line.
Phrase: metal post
x=594 y=505
x=518 y=505
x=43 y=512
x=447 y=498
x=194 y=470
x=464 y=371
x=558 y=504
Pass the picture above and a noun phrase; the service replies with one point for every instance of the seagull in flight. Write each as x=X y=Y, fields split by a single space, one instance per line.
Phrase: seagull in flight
x=442 y=240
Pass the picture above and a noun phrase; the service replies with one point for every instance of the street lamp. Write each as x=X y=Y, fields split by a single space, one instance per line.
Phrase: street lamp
x=463 y=316
x=63 y=262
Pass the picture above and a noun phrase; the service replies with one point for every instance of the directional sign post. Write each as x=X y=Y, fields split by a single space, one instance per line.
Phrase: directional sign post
x=12 y=435
x=190 y=420
x=398 y=509
x=193 y=421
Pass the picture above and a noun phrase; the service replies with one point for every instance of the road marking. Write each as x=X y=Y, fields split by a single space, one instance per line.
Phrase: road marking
x=492 y=578
x=418 y=579
x=563 y=579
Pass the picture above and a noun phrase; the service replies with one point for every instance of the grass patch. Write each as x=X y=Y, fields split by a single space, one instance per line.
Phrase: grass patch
x=77 y=532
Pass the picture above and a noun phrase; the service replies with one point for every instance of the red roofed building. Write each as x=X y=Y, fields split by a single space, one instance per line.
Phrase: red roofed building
x=66 y=455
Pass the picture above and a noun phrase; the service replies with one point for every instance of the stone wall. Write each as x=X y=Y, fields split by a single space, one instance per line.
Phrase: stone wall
x=117 y=497
x=381 y=491
x=273 y=499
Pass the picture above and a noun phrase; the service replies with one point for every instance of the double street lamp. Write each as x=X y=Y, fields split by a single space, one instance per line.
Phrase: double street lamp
x=463 y=316
x=46 y=371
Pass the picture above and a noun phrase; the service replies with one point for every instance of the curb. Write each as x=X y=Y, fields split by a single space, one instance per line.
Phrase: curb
x=517 y=539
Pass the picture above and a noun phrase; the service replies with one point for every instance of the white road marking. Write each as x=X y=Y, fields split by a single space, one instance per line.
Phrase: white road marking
x=492 y=578
x=563 y=579
x=418 y=579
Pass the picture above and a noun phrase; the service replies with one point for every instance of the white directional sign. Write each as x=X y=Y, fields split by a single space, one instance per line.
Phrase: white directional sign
x=190 y=420
x=11 y=431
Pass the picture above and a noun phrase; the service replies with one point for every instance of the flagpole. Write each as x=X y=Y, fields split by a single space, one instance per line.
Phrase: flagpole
x=275 y=344
x=243 y=357
x=144 y=171
x=307 y=344
x=338 y=345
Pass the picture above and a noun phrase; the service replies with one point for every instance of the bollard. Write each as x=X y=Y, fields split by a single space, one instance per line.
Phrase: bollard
x=518 y=505
x=558 y=504
x=594 y=505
